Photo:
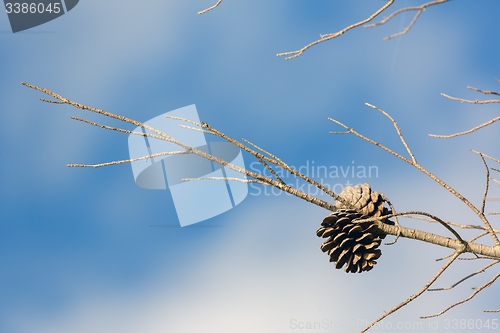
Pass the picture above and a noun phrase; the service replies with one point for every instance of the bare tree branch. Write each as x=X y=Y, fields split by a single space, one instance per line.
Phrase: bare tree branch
x=459 y=245
x=210 y=8
x=482 y=270
x=243 y=180
x=398 y=131
x=487 y=156
x=147 y=157
x=486 y=92
x=477 y=291
x=463 y=226
x=188 y=149
x=430 y=175
x=419 y=10
x=418 y=293
x=462 y=100
x=466 y=132
x=483 y=202
x=325 y=37
x=116 y=128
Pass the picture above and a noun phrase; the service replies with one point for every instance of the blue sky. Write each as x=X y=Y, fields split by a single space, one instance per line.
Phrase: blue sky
x=77 y=248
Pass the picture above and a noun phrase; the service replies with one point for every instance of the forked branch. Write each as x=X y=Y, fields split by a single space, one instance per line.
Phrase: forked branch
x=413 y=163
x=462 y=100
x=325 y=37
x=418 y=9
x=418 y=293
x=482 y=270
x=476 y=291
x=191 y=150
x=270 y=161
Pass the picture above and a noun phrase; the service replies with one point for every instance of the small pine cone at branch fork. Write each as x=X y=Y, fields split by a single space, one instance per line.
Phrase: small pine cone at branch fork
x=351 y=242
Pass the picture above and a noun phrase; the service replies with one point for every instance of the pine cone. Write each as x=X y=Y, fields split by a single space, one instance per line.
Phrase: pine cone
x=350 y=242
x=364 y=200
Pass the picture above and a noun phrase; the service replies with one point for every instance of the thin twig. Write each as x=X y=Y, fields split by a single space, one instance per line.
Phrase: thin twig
x=482 y=270
x=117 y=129
x=477 y=291
x=478 y=258
x=359 y=135
x=266 y=152
x=189 y=121
x=419 y=10
x=463 y=226
x=339 y=132
x=446 y=257
x=462 y=100
x=483 y=202
x=147 y=157
x=418 y=293
x=243 y=180
x=210 y=8
x=195 y=129
x=475 y=238
x=398 y=130
x=486 y=92
x=51 y=101
x=487 y=156
x=489 y=122
x=325 y=37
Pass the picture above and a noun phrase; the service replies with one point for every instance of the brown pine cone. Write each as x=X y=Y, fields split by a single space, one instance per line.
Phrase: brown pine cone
x=350 y=242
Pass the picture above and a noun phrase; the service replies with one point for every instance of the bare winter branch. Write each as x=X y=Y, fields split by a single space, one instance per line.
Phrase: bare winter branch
x=482 y=270
x=270 y=161
x=477 y=291
x=459 y=225
x=429 y=174
x=462 y=100
x=418 y=293
x=489 y=122
x=483 y=202
x=147 y=157
x=210 y=8
x=486 y=92
x=419 y=10
x=398 y=131
x=191 y=150
x=325 y=37
x=243 y=180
